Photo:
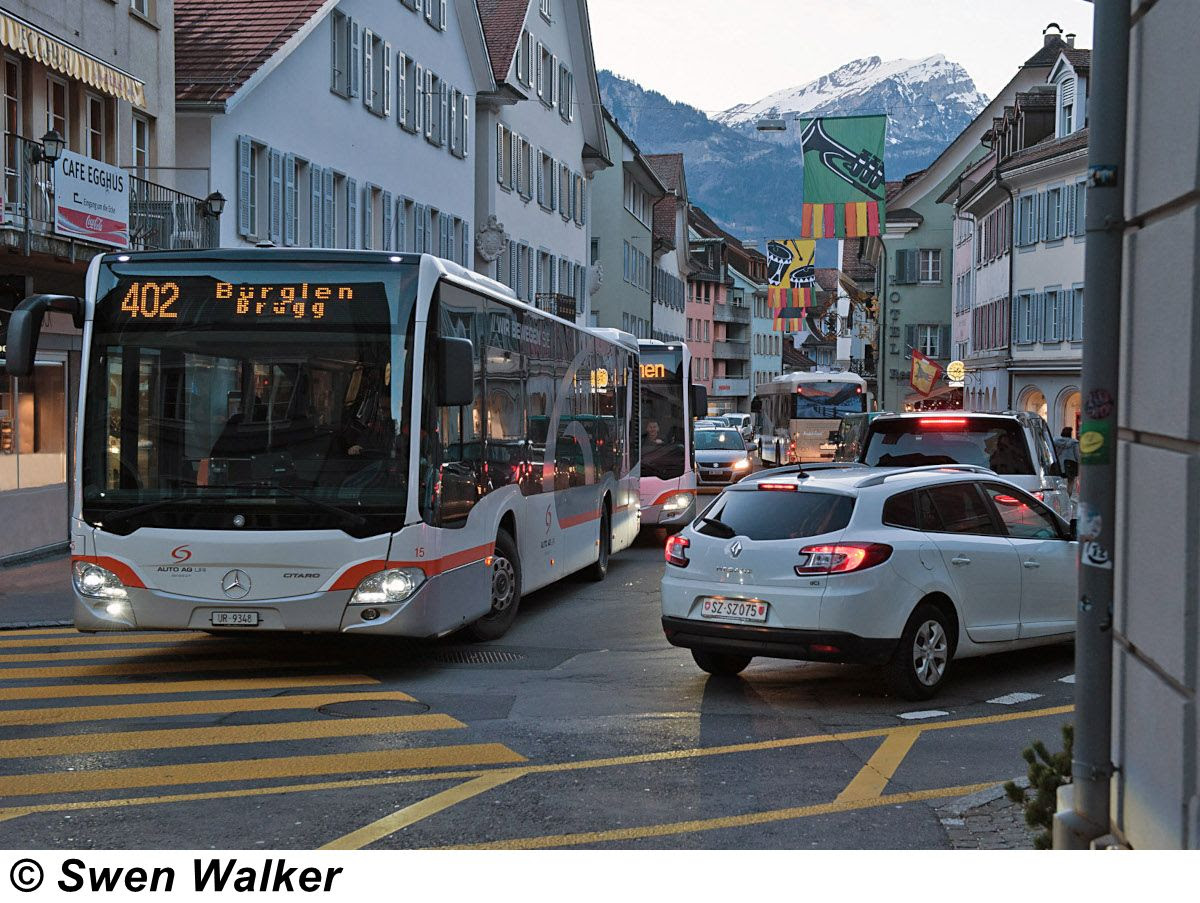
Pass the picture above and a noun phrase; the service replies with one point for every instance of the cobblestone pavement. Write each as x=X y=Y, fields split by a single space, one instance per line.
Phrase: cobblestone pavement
x=987 y=820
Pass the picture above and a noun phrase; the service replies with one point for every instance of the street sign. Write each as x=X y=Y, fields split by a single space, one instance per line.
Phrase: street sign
x=91 y=200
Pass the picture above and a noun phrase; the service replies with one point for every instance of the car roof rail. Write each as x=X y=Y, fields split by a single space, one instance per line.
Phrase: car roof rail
x=799 y=469
x=880 y=478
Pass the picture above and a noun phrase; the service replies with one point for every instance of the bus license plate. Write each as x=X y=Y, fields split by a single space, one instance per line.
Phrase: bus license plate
x=235 y=619
x=734 y=610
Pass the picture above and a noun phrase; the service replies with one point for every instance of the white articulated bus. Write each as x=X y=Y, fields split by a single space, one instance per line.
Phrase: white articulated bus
x=798 y=413
x=335 y=441
x=669 y=402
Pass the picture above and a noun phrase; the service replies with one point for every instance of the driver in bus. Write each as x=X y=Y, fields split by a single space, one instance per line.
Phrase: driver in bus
x=652 y=437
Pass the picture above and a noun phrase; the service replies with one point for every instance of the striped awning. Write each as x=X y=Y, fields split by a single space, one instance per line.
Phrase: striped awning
x=29 y=40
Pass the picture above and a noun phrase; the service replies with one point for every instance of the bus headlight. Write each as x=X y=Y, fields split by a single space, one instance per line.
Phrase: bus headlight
x=743 y=464
x=96 y=582
x=388 y=587
x=676 y=503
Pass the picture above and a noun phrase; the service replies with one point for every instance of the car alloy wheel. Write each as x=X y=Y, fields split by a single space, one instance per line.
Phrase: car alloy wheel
x=930 y=652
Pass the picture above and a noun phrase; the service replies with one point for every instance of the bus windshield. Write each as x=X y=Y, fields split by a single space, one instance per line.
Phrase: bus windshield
x=828 y=400
x=662 y=413
x=265 y=395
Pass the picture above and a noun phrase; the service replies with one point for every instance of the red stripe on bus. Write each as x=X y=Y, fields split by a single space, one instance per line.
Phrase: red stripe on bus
x=578 y=519
x=666 y=495
x=126 y=574
x=355 y=574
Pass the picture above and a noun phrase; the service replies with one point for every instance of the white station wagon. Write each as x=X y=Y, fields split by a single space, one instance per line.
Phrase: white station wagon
x=910 y=568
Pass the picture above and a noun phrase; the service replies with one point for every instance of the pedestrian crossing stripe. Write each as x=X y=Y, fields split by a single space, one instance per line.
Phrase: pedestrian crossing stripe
x=147 y=688
x=103 y=639
x=119 y=669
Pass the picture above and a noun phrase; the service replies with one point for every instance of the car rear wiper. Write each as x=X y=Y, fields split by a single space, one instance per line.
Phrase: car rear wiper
x=723 y=529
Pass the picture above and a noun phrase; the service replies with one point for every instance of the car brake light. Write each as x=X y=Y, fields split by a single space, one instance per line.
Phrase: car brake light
x=778 y=487
x=1007 y=500
x=842 y=558
x=676 y=551
x=943 y=423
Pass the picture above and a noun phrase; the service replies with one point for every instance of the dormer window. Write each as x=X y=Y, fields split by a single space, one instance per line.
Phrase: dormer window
x=1066 y=106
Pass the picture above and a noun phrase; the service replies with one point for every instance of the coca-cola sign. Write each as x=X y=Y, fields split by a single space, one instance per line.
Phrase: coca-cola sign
x=91 y=201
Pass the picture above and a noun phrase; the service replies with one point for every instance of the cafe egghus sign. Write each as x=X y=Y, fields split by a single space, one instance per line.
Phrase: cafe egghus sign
x=91 y=201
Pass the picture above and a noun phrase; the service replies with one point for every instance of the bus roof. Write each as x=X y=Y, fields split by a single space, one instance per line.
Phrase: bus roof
x=789 y=381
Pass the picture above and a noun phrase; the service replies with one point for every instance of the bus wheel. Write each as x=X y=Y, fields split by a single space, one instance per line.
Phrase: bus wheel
x=598 y=570
x=506 y=592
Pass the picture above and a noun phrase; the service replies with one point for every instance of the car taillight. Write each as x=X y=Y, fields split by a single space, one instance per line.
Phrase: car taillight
x=676 y=551
x=943 y=423
x=842 y=558
x=779 y=487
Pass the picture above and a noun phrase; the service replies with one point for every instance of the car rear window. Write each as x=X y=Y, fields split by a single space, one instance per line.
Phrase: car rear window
x=911 y=442
x=766 y=514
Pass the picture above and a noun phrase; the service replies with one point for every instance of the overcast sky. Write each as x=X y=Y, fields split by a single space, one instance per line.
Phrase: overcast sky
x=714 y=54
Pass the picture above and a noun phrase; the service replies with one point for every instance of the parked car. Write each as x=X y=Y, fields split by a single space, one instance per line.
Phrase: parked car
x=909 y=568
x=849 y=436
x=721 y=458
x=1016 y=445
x=743 y=423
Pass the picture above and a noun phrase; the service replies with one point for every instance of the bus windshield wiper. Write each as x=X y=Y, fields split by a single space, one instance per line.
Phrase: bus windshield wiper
x=722 y=529
x=125 y=513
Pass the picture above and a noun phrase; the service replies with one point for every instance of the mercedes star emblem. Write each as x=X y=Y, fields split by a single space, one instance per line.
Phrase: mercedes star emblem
x=236 y=584
x=735 y=550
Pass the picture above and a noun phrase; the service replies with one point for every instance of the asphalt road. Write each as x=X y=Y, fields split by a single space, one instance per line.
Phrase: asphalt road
x=581 y=728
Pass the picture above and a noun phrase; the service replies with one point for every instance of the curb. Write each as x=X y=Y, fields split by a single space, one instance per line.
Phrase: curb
x=957 y=807
x=29 y=625
x=47 y=553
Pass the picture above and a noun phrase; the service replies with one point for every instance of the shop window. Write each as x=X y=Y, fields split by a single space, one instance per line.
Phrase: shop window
x=33 y=428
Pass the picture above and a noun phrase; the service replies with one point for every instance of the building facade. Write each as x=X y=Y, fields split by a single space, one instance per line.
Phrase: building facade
x=669 y=290
x=708 y=284
x=622 y=236
x=80 y=80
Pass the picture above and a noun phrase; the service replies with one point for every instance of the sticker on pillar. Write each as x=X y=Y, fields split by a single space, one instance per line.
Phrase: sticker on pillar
x=1094 y=442
x=1090 y=522
x=1094 y=555
x=1099 y=404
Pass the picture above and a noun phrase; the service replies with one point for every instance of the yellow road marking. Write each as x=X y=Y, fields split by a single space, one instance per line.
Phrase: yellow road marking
x=878 y=770
x=258 y=769
x=44 y=631
x=115 y=669
x=729 y=821
x=89 y=639
x=644 y=758
x=66 y=714
x=220 y=735
x=402 y=818
x=131 y=655
x=69 y=691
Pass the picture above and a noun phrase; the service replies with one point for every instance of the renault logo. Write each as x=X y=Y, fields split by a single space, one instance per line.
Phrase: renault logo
x=236 y=584
x=735 y=550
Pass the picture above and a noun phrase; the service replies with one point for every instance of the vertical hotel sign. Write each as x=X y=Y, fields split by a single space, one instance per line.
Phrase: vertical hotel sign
x=844 y=185
x=91 y=201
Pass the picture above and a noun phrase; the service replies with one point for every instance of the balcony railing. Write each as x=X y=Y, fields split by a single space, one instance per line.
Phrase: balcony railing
x=556 y=303
x=739 y=351
x=863 y=367
x=731 y=313
x=160 y=218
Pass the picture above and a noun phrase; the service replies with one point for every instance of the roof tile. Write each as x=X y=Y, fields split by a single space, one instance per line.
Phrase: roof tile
x=503 y=22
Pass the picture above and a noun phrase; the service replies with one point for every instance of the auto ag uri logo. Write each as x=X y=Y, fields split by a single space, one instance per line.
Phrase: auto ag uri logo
x=181 y=553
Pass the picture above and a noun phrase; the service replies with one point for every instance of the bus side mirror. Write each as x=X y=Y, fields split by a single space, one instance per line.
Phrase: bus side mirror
x=455 y=372
x=25 y=326
x=699 y=401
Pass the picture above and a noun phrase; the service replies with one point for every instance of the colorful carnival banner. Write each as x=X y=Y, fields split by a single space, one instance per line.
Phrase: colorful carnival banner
x=791 y=279
x=91 y=200
x=925 y=373
x=843 y=176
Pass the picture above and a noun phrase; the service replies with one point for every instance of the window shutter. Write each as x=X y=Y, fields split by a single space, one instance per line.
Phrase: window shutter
x=1067 y=325
x=418 y=213
x=402 y=89
x=314 y=206
x=499 y=153
x=368 y=67
x=275 y=197
x=514 y=162
x=1068 y=224
x=402 y=224
x=466 y=126
x=351 y=213
x=442 y=17
x=554 y=87
x=466 y=244
x=368 y=216
x=386 y=87
x=289 y=200
x=1080 y=208
x=444 y=121
x=418 y=113
x=944 y=342
x=1038 y=315
x=428 y=229
x=244 y=152
x=910 y=339
x=333 y=51
x=1042 y=216
x=541 y=71
x=327 y=212
x=541 y=182
x=356 y=56
x=587 y=192
x=431 y=112
x=386 y=243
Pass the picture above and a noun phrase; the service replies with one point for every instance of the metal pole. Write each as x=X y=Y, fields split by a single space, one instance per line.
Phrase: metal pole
x=1092 y=761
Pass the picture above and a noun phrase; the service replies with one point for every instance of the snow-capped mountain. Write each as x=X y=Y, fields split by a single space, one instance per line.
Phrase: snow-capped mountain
x=930 y=100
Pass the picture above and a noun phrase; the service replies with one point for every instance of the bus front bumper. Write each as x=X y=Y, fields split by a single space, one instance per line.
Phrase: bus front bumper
x=441 y=604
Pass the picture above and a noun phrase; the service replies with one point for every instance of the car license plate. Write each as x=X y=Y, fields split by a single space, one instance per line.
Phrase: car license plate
x=235 y=619
x=734 y=610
